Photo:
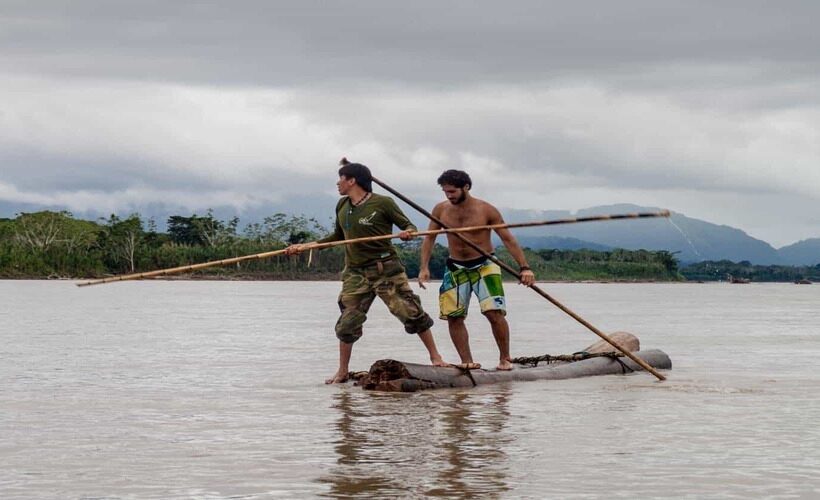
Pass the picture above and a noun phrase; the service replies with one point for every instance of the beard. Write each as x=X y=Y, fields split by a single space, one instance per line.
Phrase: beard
x=460 y=199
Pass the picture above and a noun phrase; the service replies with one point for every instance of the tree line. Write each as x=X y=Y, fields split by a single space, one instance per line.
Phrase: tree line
x=721 y=271
x=56 y=245
x=52 y=244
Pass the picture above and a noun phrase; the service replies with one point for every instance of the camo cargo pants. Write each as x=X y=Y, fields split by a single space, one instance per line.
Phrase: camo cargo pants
x=387 y=279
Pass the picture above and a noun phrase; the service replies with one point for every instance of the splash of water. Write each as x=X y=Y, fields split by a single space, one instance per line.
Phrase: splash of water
x=685 y=237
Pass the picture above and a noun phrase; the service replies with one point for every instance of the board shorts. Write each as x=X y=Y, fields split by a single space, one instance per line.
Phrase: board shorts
x=387 y=280
x=481 y=277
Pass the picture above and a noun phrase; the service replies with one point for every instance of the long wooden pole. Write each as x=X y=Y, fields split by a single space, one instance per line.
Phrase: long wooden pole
x=643 y=364
x=319 y=246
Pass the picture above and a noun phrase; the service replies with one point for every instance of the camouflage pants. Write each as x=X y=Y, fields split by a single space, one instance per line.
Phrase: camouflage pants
x=360 y=286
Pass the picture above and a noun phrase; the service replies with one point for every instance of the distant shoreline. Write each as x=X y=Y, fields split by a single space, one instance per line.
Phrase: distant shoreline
x=337 y=277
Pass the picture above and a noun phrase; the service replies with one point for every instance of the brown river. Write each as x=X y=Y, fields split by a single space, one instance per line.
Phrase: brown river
x=210 y=390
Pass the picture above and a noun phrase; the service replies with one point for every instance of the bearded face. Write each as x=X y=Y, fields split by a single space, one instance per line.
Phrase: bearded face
x=455 y=195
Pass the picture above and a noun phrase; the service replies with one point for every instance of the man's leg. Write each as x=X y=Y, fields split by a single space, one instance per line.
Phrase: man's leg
x=490 y=292
x=354 y=302
x=395 y=292
x=454 y=302
x=435 y=357
x=501 y=332
x=341 y=375
x=460 y=338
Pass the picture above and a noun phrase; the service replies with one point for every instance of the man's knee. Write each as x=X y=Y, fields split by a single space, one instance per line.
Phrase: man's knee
x=455 y=321
x=406 y=306
x=495 y=317
x=418 y=324
x=348 y=337
x=349 y=325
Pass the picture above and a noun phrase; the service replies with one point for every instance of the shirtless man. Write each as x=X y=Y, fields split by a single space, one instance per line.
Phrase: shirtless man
x=468 y=271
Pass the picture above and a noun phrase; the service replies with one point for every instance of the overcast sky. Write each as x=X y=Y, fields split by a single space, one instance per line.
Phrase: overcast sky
x=711 y=109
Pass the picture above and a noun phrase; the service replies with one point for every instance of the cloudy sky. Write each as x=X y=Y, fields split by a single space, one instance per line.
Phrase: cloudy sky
x=711 y=109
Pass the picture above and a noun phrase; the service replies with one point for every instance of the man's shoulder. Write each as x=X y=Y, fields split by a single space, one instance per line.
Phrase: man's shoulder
x=382 y=200
x=484 y=204
x=483 y=207
x=341 y=202
x=441 y=206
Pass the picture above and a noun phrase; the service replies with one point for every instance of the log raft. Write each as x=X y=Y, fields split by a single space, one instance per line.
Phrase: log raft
x=397 y=376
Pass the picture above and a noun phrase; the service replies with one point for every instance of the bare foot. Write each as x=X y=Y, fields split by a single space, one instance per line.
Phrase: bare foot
x=439 y=362
x=468 y=366
x=504 y=365
x=338 y=378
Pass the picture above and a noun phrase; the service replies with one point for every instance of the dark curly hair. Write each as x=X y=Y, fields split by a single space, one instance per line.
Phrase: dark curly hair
x=457 y=178
x=359 y=172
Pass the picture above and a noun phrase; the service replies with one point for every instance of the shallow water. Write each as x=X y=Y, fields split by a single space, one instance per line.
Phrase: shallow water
x=214 y=390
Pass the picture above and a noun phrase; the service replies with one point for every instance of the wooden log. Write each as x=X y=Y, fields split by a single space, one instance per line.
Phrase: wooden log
x=397 y=376
x=625 y=339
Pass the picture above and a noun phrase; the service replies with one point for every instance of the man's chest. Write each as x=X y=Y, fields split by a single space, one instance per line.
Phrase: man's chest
x=363 y=219
x=464 y=218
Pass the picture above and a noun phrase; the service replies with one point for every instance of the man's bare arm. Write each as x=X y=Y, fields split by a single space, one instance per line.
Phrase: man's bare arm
x=527 y=276
x=427 y=249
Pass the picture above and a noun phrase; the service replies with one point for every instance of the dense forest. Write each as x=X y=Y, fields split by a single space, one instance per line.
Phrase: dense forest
x=722 y=270
x=56 y=245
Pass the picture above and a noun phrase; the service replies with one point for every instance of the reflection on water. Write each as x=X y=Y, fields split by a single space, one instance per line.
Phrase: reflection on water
x=474 y=429
x=386 y=443
x=214 y=390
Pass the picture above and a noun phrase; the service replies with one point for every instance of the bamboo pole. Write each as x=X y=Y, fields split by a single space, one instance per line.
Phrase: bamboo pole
x=319 y=246
x=535 y=288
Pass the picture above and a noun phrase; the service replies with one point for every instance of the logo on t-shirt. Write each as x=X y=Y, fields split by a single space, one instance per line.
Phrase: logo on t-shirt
x=367 y=221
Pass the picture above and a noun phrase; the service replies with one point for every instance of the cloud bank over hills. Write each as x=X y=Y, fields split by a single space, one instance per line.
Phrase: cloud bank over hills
x=691 y=239
x=710 y=109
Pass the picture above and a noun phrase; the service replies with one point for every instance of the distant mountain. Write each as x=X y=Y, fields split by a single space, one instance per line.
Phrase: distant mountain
x=693 y=240
x=802 y=253
x=560 y=243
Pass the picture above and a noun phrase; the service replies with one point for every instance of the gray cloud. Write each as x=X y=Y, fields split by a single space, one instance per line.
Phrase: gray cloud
x=552 y=105
x=288 y=43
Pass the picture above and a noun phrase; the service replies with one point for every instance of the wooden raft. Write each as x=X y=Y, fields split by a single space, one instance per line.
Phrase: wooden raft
x=397 y=376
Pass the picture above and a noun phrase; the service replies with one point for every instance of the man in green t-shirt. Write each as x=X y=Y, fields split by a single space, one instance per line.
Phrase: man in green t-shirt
x=371 y=268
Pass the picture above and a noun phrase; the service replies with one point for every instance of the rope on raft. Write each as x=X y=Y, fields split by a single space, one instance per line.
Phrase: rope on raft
x=532 y=361
x=576 y=356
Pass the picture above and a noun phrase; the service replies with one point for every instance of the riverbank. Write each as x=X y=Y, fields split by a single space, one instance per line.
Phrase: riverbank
x=329 y=277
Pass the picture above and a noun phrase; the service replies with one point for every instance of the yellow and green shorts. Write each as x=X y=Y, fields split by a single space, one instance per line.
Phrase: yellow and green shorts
x=482 y=278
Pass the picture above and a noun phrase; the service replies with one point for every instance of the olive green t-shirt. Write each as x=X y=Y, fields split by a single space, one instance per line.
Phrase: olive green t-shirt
x=374 y=217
